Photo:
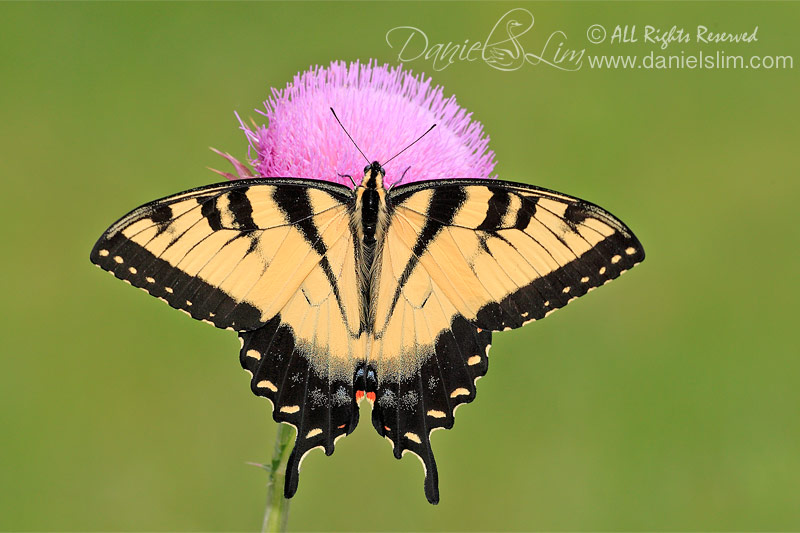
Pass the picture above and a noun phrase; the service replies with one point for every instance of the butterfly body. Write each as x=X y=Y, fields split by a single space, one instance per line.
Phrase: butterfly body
x=342 y=294
x=370 y=202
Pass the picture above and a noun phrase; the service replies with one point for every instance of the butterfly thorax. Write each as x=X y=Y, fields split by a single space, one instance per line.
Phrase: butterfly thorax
x=370 y=203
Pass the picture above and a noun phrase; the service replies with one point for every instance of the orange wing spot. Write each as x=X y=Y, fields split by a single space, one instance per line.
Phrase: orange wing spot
x=341 y=427
x=359 y=396
x=479 y=330
x=371 y=397
x=387 y=428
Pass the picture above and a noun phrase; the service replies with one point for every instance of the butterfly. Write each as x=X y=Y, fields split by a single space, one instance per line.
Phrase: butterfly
x=342 y=294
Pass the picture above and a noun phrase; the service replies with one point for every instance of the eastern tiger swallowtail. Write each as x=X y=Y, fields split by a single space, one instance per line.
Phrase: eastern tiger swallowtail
x=342 y=294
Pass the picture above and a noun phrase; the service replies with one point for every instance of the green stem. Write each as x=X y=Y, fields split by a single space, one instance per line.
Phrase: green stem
x=276 y=515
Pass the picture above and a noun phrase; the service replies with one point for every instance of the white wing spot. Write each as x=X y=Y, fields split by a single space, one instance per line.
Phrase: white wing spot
x=103 y=253
x=461 y=391
x=547 y=303
x=585 y=279
x=436 y=414
x=169 y=289
x=566 y=290
x=266 y=384
x=255 y=354
x=150 y=280
x=630 y=251
x=118 y=259
x=291 y=409
x=413 y=437
x=313 y=433
x=615 y=259
x=474 y=360
x=188 y=302
x=602 y=270
x=132 y=270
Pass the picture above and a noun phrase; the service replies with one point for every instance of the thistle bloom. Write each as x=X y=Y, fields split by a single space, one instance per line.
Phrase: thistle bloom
x=384 y=109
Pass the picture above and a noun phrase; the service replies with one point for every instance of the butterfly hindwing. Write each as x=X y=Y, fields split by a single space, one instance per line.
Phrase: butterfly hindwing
x=320 y=408
x=409 y=407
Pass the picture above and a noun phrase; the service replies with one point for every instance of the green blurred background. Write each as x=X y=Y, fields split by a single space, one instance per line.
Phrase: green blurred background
x=668 y=401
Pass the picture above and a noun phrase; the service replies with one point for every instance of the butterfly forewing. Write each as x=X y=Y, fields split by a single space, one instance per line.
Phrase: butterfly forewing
x=510 y=253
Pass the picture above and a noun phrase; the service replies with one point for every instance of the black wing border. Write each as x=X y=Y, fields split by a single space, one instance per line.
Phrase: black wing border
x=410 y=188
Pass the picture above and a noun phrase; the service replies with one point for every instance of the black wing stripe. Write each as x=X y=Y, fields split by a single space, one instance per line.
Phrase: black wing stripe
x=524 y=215
x=444 y=204
x=410 y=265
x=241 y=208
x=297 y=208
x=496 y=209
x=211 y=212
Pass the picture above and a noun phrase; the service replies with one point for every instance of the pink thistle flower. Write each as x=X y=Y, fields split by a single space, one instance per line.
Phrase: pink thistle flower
x=384 y=109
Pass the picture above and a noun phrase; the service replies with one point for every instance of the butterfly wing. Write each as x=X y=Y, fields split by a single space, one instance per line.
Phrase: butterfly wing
x=274 y=260
x=463 y=258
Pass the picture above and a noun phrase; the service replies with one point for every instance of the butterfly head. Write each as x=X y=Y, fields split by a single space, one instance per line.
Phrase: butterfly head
x=373 y=176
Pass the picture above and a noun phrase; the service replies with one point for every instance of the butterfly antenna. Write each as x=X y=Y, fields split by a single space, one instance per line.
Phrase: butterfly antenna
x=351 y=138
x=410 y=145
